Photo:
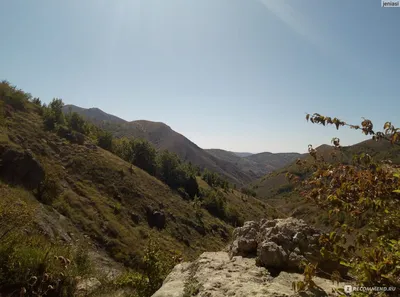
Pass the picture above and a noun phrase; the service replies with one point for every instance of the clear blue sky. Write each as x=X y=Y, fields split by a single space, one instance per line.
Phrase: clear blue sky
x=231 y=74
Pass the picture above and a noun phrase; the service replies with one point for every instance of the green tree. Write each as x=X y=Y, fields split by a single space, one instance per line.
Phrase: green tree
x=176 y=174
x=77 y=123
x=143 y=155
x=168 y=164
x=56 y=106
x=105 y=140
x=53 y=115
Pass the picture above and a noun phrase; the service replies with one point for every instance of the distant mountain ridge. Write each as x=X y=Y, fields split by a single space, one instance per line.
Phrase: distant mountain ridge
x=243 y=154
x=256 y=164
x=238 y=167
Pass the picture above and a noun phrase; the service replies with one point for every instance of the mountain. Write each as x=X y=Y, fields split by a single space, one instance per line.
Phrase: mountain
x=77 y=203
x=164 y=138
x=243 y=154
x=275 y=183
x=94 y=114
x=256 y=165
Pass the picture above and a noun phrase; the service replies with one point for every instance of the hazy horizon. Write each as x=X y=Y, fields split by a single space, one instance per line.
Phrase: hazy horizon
x=230 y=74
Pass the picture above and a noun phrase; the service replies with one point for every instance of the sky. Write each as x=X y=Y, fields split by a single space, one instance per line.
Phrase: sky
x=238 y=75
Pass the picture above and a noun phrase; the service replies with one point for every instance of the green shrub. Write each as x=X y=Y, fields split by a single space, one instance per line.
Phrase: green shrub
x=155 y=267
x=48 y=190
x=215 y=203
x=29 y=262
x=105 y=140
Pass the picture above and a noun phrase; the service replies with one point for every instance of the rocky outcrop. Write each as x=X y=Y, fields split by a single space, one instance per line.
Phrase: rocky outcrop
x=156 y=218
x=20 y=167
x=263 y=260
x=218 y=275
x=281 y=245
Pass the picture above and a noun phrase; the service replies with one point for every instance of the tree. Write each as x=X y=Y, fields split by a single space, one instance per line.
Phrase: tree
x=56 y=106
x=77 y=123
x=168 y=164
x=105 y=140
x=53 y=116
x=143 y=155
x=366 y=190
x=176 y=174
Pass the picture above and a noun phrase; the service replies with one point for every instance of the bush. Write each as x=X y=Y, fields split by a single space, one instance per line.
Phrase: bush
x=77 y=123
x=215 y=203
x=248 y=192
x=155 y=267
x=29 y=262
x=366 y=189
x=48 y=190
x=214 y=180
x=105 y=140
x=13 y=97
x=176 y=174
x=143 y=155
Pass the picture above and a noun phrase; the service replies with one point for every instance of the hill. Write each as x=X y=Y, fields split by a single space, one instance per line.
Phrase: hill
x=243 y=154
x=275 y=189
x=164 y=138
x=256 y=165
x=76 y=193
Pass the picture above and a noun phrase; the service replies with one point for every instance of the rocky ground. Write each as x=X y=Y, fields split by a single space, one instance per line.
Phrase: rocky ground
x=263 y=261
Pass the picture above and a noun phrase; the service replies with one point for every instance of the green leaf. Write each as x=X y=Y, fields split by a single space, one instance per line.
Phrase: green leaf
x=396 y=191
x=345 y=263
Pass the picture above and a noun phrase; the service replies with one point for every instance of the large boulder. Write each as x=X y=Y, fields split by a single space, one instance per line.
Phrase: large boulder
x=245 y=239
x=281 y=245
x=20 y=167
x=156 y=218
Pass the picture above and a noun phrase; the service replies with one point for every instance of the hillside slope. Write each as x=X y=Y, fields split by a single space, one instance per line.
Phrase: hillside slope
x=103 y=199
x=82 y=193
x=163 y=137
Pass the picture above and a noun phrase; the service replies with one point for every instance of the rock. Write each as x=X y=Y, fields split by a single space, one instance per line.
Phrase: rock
x=135 y=217
x=271 y=255
x=20 y=167
x=156 y=218
x=245 y=242
x=86 y=287
x=218 y=275
x=281 y=245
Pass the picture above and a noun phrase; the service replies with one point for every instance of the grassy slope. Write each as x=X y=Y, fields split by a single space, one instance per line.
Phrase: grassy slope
x=99 y=197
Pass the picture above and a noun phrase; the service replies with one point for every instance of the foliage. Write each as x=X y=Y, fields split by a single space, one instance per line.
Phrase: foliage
x=29 y=263
x=176 y=174
x=215 y=203
x=358 y=190
x=248 y=191
x=53 y=115
x=13 y=97
x=48 y=190
x=214 y=179
x=156 y=266
x=307 y=283
x=76 y=123
x=105 y=140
